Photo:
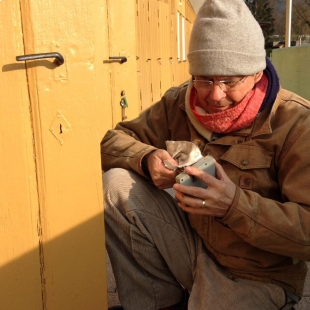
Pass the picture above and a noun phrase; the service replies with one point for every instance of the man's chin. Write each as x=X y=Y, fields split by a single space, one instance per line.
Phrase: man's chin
x=217 y=109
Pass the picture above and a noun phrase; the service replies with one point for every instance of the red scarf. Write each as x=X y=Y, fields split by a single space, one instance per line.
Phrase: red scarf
x=236 y=118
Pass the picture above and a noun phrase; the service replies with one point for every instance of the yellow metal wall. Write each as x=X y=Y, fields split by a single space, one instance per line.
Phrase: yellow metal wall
x=159 y=66
x=52 y=119
x=51 y=205
x=20 y=280
x=122 y=42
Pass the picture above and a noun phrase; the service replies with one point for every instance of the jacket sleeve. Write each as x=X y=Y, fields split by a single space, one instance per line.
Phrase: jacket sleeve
x=279 y=227
x=126 y=145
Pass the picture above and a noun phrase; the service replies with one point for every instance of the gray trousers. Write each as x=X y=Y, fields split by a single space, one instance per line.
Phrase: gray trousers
x=155 y=253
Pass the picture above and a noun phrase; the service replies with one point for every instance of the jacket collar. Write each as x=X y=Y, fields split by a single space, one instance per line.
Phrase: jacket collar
x=262 y=124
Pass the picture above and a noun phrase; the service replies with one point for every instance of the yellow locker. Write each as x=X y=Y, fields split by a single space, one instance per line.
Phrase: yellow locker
x=20 y=278
x=52 y=120
x=122 y=45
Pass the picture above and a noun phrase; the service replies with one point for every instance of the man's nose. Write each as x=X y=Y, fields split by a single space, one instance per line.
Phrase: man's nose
x=216 y=93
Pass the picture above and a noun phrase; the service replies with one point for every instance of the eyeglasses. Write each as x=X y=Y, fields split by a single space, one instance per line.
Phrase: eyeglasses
x=225 y=85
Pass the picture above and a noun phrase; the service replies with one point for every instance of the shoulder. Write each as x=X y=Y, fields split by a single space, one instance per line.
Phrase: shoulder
x=290 y=98
x=176 y=94
x=291 y=108
x=291 y=115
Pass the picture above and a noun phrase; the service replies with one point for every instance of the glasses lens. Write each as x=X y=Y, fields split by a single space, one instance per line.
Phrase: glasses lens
x=203 y=84
x=229 y=85
x=226 y=85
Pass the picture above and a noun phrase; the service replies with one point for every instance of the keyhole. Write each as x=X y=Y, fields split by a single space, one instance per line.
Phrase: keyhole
x=60 y=127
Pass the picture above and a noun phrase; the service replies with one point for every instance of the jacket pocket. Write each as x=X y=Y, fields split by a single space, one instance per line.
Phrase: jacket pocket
x=247 y=157
x=251 y=168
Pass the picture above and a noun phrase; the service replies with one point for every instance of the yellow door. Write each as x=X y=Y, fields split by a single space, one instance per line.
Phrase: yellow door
x=52 y=120
x=123 y=59
x=144 y=53
x=165 y=47
x=20 y=279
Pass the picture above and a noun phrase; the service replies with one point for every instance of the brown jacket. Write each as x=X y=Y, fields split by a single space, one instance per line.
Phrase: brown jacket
x=266 y=234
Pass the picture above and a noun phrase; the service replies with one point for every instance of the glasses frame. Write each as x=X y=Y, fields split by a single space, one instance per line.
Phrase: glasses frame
x=220 y=84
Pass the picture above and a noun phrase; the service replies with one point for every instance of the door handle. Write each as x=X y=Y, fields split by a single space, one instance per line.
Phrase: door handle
x=59 y=60
x=120 y=59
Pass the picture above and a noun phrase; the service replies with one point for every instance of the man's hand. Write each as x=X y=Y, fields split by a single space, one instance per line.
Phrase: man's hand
x=161 y=176
x=214 y=200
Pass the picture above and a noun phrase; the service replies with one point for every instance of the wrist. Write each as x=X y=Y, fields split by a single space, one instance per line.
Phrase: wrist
x=145 y=166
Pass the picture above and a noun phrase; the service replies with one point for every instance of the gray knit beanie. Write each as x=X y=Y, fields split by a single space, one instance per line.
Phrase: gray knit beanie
x=226 y=40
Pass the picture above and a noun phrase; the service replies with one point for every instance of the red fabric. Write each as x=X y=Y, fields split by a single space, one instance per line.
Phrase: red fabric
x=236 y=118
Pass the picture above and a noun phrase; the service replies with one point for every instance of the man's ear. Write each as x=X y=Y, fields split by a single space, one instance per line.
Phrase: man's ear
x=258 y=76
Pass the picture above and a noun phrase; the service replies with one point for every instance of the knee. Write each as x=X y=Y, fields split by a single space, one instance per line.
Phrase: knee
x=126 y=190
x=113 y=177
x=117 y=183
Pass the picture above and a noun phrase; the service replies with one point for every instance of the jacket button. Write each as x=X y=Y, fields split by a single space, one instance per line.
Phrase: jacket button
x=244 y=162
